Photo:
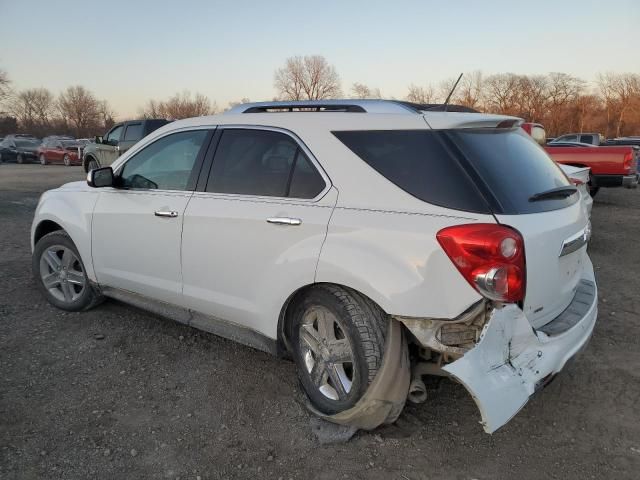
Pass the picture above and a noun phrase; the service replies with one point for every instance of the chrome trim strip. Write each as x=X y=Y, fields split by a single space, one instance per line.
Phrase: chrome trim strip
x=574 y=243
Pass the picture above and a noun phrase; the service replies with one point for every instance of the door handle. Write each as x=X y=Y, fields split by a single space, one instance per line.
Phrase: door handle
x=166 y=213
x=284 y=221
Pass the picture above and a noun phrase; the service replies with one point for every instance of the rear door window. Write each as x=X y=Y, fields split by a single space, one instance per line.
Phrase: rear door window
x=133 y=132
x=262 y=163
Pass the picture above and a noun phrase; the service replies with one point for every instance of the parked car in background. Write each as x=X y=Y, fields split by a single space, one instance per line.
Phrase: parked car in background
x=590 y=138
x=84 y=141
x=20 y=149
x=580 y=177
x=60 y=150
x=634 y=141
x=117 y=141
x=477 y=257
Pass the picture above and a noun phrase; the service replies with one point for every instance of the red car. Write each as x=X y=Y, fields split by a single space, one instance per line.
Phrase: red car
x=60 y=150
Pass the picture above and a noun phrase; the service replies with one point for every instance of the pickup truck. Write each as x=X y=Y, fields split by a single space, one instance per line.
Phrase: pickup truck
x=115 y=142
x=614 y=166
x=611 y=166
x=590 y=138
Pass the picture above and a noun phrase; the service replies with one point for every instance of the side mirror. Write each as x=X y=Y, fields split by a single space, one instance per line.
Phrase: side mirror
x=98 y=139
x=100 y=177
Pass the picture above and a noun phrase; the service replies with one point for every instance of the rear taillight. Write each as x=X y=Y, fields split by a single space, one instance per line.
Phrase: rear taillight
x=577 y=182
x=490 y=257
x=628 y=160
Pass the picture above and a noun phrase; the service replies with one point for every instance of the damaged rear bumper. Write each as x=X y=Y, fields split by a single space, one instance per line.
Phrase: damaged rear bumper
x=512 y=360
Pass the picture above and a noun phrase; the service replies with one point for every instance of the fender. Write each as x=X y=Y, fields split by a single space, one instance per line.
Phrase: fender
x=71 y=207
x=390 y=258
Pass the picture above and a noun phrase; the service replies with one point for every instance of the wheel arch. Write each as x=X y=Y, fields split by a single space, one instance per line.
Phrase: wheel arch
x=86 y=159
x=45 y=227
x=284 y=319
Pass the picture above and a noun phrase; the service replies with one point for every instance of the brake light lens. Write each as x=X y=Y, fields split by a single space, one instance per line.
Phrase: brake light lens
x=576 y=181
x=490 y=257
x=628 y=160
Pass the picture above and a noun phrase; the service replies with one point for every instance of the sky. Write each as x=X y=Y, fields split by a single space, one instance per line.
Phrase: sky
x=128 y=52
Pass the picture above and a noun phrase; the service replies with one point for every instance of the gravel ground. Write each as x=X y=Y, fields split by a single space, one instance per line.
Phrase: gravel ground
x=119 y=393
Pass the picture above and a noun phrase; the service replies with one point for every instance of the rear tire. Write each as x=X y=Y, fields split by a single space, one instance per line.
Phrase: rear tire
x=43 y=159
x=19 y=159
x=338 y=339
x=67 y=161
x=61 y=275
x=593 y=191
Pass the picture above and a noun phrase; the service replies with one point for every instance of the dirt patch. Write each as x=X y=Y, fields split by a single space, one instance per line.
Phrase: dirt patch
x=119 y=393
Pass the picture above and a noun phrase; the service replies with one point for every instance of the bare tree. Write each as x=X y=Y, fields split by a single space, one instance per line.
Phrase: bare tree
x=360 y=90
x=470 y=90
x=33 y=108
x=79 y=108
x=419 y=94
x=307 y=78
x=181 y=105
x=235 y=103
x=501 y=92
x=5 y=85
x=625 y=90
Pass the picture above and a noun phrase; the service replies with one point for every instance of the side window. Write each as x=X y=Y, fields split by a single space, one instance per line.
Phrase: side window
x=569 y=138
x=586 y=138
x=166 y=164
x=264 y=163
x=306 y=182
x=133 y=132
x=113 y=137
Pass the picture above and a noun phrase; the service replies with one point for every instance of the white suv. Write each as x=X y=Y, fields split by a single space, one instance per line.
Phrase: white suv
x=312 y=229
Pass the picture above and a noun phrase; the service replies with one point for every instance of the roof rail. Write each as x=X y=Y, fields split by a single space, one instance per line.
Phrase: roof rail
x=348 y=106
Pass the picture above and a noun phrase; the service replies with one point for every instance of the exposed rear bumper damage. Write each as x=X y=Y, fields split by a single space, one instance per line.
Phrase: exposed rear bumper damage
x=509 y=359
x=512 y=360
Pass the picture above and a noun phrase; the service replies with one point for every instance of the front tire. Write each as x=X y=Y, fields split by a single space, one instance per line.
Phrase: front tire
x=67 y=161
x=19 y=158
x=92 y=164
x=61 y=275
x=338 y=339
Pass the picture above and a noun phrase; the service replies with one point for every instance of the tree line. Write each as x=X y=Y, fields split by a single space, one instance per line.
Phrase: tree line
x=560 y=101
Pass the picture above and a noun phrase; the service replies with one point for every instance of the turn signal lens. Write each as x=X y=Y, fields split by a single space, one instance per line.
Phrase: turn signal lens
x=490 y=257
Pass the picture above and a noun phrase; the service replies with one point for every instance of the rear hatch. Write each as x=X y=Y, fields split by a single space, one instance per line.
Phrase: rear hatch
x=527 y=191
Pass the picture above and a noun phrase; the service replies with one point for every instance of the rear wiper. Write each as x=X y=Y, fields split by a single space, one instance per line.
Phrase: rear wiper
x=560 y=192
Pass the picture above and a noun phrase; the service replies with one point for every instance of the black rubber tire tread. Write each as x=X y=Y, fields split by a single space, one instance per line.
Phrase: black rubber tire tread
x=367 y=325
x=89 y=299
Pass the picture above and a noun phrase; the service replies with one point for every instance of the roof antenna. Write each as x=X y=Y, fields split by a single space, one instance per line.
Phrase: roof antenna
x=446 y=102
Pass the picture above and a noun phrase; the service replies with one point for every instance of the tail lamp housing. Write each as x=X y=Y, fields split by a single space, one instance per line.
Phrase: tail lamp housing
x=628 y=162
x=490 y=257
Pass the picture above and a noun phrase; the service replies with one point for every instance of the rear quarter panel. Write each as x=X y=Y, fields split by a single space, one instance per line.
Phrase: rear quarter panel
x=395 y=259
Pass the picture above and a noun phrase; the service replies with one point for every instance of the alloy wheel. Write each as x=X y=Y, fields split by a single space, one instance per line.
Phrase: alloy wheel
x=62 y=273
x=43 y=160
x=67 y=161
x=19 y=158
x=327 y=353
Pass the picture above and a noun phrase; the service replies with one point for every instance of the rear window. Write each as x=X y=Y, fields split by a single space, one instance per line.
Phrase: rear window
x=512 y=168
x=418 y=162
x=483 y=170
